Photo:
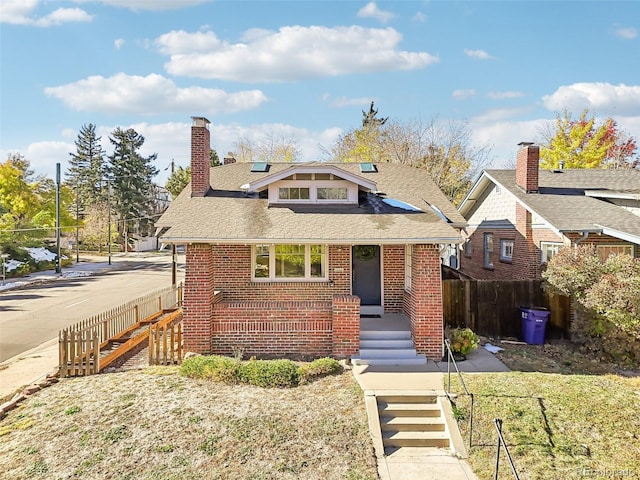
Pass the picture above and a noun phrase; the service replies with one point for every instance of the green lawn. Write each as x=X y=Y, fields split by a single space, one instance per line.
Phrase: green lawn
x=557 y=426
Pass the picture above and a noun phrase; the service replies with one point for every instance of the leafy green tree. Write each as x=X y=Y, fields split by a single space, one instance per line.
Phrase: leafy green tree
x=179 y=179
x=445 y=151
x=583 y=144
x=28 y=202
x=130 y=180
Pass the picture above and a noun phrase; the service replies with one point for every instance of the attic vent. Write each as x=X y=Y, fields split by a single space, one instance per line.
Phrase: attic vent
x=368 y=168
x=260 y=167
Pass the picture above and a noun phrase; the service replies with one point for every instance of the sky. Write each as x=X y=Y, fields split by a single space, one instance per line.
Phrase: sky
x=306 y=70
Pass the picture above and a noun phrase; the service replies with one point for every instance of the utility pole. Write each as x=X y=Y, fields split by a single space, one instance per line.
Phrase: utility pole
x=77 y=225
x=58 y=262
x=174 y=254
x=109 y=223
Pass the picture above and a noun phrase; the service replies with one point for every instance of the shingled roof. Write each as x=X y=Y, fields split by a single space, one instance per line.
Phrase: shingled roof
x=231 y=214
x=573 y=200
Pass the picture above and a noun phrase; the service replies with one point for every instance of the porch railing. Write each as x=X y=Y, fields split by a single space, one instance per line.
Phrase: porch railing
x=452 y=360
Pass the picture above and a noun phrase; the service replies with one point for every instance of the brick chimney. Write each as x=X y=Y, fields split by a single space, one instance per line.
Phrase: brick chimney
x=200 y=156
x=527 y=165
x=229 y=159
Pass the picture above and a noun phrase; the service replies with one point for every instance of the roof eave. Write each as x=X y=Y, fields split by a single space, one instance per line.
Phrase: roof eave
x=324 y=241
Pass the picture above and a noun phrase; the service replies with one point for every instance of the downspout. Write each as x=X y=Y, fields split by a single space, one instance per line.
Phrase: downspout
x=585 y=234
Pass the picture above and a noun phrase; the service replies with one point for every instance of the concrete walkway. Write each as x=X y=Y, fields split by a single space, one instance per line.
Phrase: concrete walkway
x=421 y=463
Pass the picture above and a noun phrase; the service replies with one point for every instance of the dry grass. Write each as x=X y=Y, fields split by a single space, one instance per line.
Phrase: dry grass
x=155 y=424
x=565 y=416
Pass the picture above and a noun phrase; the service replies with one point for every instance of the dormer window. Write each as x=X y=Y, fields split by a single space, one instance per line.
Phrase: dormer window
x=332 y=193
x=293 y=193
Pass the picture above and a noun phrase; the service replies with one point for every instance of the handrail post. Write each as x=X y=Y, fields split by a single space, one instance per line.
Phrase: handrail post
x=498 y=424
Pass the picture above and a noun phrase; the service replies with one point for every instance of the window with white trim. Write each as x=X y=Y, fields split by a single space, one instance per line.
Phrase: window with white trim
x=604 y=251
x=332 y=193
x=408 y=249
x=548 y=250
x=506 y=250
x=488 y=250
x=293 y=193
x=467 y=248
x=289 y=262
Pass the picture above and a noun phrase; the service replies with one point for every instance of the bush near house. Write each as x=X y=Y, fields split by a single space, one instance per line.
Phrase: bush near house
x=607 y=299
x=261 y=373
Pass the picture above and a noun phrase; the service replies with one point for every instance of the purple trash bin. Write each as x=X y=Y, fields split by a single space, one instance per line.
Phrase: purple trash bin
x=534 y=324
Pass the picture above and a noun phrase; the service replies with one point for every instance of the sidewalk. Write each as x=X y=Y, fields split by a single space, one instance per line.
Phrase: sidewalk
x=423 y=463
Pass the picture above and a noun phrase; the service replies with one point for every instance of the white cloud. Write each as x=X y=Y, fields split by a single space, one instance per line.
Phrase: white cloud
x=21 y=12
x=601 y=98
x=501 y=114
x=419 y=17
x=477 y=54
x=118 y=43
x=503 y=95
x=149 y=95
x=627 y=33
x=156 y=5
x=292 y=53
x=463 y=94
x=371 y=10
x=341 y=102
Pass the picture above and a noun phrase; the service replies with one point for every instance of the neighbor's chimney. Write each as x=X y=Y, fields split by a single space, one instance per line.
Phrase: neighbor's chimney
x=527 y=165
x=200 y=156
x=229 y=159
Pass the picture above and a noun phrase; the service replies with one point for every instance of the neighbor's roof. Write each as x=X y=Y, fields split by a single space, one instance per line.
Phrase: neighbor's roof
x=572 y=200
x=229 y=213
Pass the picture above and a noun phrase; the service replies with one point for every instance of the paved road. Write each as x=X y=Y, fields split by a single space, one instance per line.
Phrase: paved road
x=33 y=315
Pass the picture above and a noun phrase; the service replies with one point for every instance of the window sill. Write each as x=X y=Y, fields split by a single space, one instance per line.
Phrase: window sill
x=488 y=267
x=506 y=260
x=290 y=280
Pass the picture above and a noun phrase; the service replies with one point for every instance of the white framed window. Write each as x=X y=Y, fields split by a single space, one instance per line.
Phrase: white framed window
x=506 y=249
x=548 y=250
x=332 y=193
x=605 y=250
x=468 y=251
x=284 y=262
x=293 y=193
x=408 y=251
x=488 y=250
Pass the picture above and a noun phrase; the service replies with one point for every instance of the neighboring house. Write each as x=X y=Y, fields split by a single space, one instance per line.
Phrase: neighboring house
x=518 y=219
x=282 y=259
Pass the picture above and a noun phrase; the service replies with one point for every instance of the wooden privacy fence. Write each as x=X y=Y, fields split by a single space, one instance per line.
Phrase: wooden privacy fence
x=80 y=344
x=165 y=340
x=491 y=307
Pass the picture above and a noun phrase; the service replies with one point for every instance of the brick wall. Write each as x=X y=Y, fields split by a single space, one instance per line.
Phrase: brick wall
x=198 y=298
x=346 y=325
x=393 y=273
x=423 y=304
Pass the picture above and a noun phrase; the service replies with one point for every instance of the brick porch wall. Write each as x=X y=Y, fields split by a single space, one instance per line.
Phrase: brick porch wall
x=423 y=304
x=346 y=325
x=198 y=298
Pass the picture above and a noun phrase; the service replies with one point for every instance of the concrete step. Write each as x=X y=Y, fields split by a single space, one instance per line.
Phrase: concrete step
x=411 y=424
x=402 y=343
x=417 y=360
x=415 y=439
x=385 y=335
x=393 y=397
x=387 y=352
x=397 y=409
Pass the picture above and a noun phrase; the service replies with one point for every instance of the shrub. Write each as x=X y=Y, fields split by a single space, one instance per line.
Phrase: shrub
x=218 y=368
x=261 y=373
x=463 y=340
x=319 y=368
x=270 y=373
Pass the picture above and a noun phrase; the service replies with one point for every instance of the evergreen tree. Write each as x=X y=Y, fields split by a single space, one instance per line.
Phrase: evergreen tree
x=132 y=191
x=87 y=168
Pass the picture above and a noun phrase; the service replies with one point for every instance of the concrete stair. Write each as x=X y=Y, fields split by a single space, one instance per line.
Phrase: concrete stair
x=412 y=420
x=387 y=347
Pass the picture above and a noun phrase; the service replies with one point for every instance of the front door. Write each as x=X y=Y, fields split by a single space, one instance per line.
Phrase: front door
x=366 y=278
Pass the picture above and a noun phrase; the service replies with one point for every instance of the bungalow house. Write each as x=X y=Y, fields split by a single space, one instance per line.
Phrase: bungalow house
x=518 y=219
x=283 y=259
